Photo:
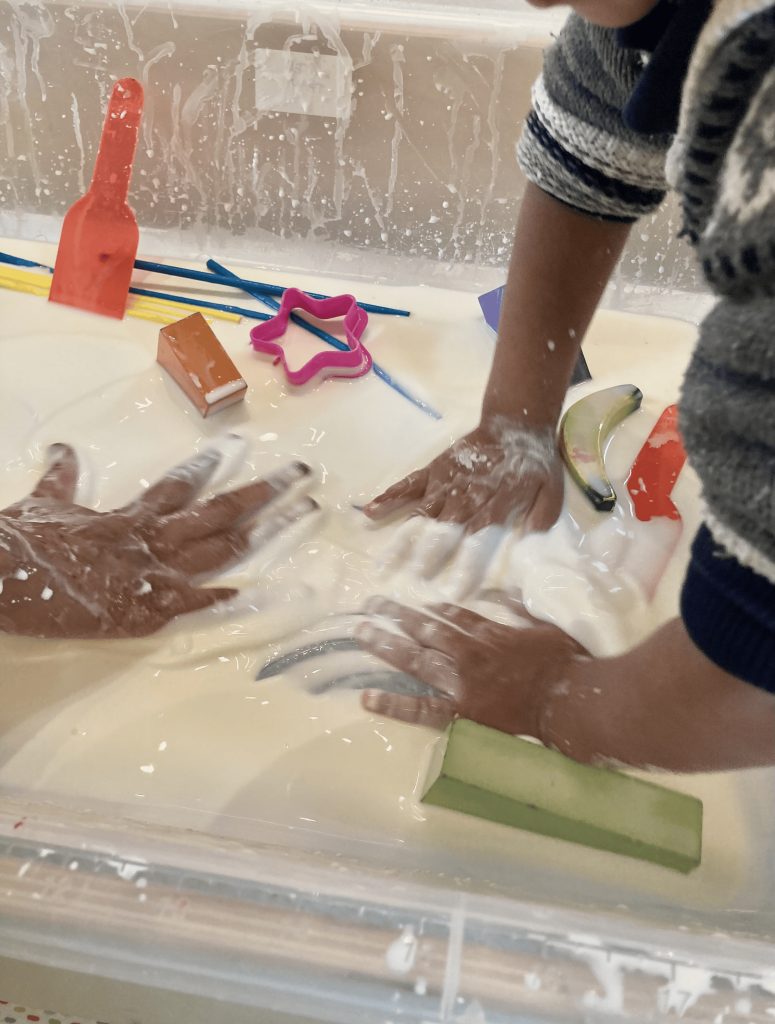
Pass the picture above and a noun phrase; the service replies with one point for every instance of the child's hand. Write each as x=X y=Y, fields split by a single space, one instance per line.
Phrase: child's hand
x=496 y=474
x=497 y=675
x=662 y=704
x=70 y=572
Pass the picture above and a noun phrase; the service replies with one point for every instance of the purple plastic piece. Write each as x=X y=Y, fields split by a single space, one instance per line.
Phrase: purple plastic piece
x=491 y=307
x=352 y=361
x=491 y=303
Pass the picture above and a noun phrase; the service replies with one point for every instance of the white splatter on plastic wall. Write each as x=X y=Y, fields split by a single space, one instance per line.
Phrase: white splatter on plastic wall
x=379 y=135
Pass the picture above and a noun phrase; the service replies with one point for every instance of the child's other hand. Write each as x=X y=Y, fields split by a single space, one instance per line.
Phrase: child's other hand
x=662 y=704
x=70 y=572
x=497 y=675
x=499 y=473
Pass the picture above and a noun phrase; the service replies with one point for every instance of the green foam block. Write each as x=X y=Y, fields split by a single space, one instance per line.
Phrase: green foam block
x=515 y=782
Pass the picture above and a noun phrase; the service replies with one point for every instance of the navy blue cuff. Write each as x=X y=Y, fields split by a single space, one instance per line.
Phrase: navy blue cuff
x=649 y=32
x=609 y=217
x=729 y=612
x=669 y=33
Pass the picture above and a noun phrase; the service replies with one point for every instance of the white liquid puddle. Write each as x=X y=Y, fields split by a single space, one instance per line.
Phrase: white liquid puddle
x=402 y=953
x=175 y=728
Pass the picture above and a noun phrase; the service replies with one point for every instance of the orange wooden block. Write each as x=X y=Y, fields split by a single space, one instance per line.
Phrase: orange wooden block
x=197 y=362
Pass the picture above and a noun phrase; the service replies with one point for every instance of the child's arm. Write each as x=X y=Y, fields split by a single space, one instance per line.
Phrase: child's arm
x=576 y=149
x=699 y=693
x=662 y=704
x=561 y=263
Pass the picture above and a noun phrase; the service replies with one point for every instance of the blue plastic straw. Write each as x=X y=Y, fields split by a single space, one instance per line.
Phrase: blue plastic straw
x=17 y=261
x=328 y=338
x=232 y=281
x=222 y=307
x=226 y=280
x=254 y=288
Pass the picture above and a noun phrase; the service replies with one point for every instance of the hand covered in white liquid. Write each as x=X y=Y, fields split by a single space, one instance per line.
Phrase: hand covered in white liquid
x=662 y=704
x=67 y=571
x=498 y=675
x=499 y=473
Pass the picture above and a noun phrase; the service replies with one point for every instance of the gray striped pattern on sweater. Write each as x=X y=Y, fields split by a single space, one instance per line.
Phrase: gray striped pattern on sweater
x=728 y=403
x=714 y=117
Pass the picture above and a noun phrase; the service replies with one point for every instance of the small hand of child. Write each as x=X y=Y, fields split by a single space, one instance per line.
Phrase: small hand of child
x=662 y=704
x=70 y=572
x=498 y=473
x=497 y=675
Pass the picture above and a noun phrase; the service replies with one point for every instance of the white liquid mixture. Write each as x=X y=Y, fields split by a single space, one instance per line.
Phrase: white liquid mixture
x=176 y=729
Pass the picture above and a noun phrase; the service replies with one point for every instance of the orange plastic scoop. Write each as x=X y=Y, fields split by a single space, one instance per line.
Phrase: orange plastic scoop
x=99 y=240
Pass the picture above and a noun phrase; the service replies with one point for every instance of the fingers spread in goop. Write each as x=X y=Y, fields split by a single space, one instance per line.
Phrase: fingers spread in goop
x=229 y=510
x=424 y=663
x=427 y=629
x=400 y=495
x=60 y=479
x=179 y=487
x=433 y=712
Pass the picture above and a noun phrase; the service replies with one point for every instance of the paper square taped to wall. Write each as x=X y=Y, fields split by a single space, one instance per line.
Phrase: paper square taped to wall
x=291 y=82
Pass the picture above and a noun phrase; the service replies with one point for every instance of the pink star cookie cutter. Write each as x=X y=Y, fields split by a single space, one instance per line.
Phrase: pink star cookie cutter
x=352 y=360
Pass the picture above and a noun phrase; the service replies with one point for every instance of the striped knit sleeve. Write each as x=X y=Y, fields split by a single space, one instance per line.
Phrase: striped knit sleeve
x=576 y=145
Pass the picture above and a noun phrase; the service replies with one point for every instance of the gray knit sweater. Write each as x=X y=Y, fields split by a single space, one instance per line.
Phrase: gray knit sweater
x=580 y=146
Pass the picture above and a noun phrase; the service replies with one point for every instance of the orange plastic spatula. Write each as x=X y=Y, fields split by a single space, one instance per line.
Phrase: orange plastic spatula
x=656 y=469
x=656 y=527
x=99 y=240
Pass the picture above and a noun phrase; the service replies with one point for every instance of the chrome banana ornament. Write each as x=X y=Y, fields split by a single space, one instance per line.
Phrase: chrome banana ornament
x=584 y=430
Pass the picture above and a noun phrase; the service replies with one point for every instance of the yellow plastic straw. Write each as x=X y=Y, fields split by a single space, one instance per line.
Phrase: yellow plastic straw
x=25 y=275
x=143 y=301
x=21 y=286
x=28 y=288
x=141 y=307
x=154 y=310
x=155 y=316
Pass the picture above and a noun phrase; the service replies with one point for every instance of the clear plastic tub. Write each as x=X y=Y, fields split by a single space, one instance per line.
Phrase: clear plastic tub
x=373 y=143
